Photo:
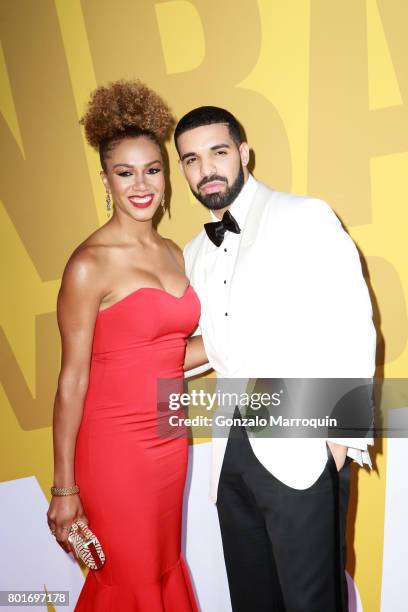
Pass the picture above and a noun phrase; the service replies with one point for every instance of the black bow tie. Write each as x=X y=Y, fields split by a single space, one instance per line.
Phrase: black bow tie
x=216 y=230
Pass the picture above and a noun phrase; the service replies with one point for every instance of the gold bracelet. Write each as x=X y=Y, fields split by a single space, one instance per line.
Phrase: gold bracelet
x=64 y=490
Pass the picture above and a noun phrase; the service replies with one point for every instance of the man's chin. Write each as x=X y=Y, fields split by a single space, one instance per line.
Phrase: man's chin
x=212 y=202
x=223 y=198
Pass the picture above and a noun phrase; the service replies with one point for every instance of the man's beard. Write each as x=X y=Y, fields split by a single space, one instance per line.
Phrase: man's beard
x=219 y=200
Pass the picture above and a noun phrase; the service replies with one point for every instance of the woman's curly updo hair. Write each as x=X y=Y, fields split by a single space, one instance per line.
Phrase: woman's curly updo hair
x=125 y=109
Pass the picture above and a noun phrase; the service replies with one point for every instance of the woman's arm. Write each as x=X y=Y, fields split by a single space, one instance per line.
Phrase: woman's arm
x=195 y=353
x=77 y=306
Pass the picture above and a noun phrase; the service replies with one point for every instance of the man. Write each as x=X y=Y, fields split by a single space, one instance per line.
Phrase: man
x=282 y=295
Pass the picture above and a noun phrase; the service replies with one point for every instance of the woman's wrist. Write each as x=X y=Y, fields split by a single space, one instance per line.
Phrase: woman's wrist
x=62 y=491
x=64 y=476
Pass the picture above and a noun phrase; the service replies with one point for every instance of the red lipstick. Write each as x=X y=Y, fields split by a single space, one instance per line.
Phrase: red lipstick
x=141 y=201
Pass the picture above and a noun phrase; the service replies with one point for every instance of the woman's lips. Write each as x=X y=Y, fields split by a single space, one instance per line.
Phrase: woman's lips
x=141 y=201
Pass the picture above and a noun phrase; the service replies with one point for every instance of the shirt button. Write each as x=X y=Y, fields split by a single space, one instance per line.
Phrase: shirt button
x=225 y=250
x=226 y=314
x=225 y=282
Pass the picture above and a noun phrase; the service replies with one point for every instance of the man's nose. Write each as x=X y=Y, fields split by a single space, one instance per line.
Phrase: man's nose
x=208 y=168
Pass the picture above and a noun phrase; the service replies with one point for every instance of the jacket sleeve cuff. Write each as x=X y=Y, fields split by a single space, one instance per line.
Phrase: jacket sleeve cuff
x=360 y=456
x=357 y=449
x=359 y=443
x=206 y=367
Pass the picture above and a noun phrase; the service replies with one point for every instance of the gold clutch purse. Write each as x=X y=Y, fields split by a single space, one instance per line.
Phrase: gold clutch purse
x=86 y=545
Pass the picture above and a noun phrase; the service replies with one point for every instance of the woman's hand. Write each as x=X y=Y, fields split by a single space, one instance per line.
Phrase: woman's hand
x=63 y=511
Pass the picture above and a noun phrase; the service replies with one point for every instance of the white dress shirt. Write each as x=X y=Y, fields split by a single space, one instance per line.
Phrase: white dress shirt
x=220 y=264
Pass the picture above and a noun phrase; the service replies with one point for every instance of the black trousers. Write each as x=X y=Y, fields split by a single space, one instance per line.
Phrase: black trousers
x=284 y=548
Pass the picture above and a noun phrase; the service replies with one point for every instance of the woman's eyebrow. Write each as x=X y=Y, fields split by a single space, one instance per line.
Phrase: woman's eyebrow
x=155 y=161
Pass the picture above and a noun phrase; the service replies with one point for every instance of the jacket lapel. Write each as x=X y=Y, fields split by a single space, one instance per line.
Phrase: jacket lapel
x=241 y=283
x=253 y=223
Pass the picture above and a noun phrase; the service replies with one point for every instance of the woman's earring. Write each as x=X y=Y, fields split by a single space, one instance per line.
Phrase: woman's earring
x=108 y=202
x=163 y=202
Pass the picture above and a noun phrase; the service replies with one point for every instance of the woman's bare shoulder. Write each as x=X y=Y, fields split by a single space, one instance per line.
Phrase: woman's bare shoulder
x=84 y=268
x=95 y=249
x=81 y=276
x=101 y=237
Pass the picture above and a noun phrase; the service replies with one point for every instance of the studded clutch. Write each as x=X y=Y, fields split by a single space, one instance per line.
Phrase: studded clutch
x=86 y=545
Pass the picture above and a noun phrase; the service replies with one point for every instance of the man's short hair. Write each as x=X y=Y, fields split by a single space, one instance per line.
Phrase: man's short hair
x=207 y=115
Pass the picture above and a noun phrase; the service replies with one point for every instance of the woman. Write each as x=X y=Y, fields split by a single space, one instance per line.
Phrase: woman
x=125 y=310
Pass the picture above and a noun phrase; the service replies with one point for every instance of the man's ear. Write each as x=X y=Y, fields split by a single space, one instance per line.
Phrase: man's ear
x=244 y=153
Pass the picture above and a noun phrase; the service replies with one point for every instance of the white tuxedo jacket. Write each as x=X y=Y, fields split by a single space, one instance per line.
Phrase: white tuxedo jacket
x=300 y=308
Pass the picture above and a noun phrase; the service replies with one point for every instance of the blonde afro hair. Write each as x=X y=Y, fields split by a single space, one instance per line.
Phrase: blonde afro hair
x=125 y=108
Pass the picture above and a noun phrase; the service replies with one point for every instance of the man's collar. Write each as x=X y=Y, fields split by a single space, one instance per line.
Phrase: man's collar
x=240 y=206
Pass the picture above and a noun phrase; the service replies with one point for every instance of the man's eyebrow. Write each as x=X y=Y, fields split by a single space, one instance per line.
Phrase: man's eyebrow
x=220 y=146
x=214 y=148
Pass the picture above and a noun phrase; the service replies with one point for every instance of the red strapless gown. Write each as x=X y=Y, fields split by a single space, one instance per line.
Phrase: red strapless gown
x=131 y=480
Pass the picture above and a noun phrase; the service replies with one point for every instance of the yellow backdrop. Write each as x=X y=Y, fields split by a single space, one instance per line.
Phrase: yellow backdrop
x=319 y=87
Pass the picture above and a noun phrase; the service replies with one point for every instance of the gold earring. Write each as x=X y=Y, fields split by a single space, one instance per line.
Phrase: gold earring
x=163 y=202
x=108 y=202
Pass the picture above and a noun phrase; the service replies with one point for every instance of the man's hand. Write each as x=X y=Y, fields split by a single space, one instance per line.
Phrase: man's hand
x=339 y=453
